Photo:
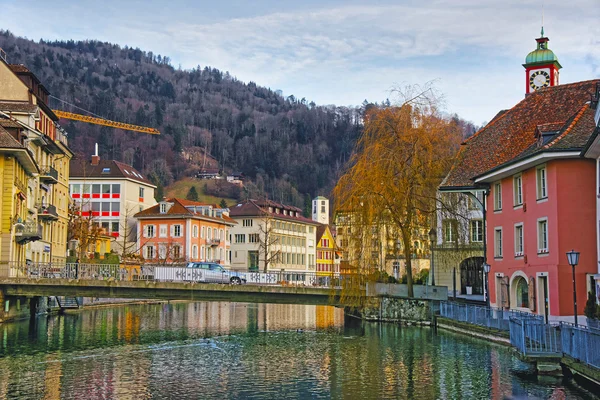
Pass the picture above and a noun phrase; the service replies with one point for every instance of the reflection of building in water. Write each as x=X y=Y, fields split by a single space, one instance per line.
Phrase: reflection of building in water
x=327 y=317
x=52 y=375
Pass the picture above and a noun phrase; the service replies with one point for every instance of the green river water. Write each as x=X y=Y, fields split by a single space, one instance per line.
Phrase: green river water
x=254 y=351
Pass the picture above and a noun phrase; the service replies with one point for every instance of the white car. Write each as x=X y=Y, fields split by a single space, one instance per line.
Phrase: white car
x=215 y=273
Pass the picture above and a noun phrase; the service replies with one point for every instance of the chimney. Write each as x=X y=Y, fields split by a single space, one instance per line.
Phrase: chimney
x=96 y=157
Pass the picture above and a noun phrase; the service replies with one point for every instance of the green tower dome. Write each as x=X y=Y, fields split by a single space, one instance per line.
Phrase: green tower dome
x=542 y=55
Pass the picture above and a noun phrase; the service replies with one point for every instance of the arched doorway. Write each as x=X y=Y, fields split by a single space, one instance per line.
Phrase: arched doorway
x=471 y=274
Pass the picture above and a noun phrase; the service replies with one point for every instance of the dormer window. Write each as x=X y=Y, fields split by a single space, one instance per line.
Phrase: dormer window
x=163 y=208
x=106 y=170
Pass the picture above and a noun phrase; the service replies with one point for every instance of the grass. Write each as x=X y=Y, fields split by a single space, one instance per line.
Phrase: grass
x=181 y=188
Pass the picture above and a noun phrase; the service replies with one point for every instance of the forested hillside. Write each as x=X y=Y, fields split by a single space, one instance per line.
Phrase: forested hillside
x=289 y=148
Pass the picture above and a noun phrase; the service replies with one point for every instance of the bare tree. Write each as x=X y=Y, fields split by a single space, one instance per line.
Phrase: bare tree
x=268 y=249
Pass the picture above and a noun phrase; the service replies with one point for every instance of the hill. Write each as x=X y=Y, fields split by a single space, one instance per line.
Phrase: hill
x=287 y=147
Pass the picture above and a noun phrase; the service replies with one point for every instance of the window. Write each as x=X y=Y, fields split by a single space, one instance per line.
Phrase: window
x=498 y=243
x=543 y=236
x=149 y=231
x=240 y=238
x=247 y=222
x=476 y=230
x=195 y=231
x=176 y=230
x=116 y=188
x=194 y=251
x=518 y=190
x=202 y=233
x=162 y=231
x=253 y=238
x=498 y=196
x=450 y=230
x=141 y=193
x=106 y=189
x=476 y=201
x=518 y=240
x=542 y=191
x=202 y=253
x=106 y=170
x=163 y=208
x=96 y=189
x=116 y=207
x=176 y=252
x=149 y=252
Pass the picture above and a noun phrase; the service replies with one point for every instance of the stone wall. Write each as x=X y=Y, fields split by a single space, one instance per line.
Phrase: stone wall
x=405 y=311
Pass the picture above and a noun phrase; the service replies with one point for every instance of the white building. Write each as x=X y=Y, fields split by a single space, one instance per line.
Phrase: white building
x=272 y=233
x=113 y=192
x=320 y=210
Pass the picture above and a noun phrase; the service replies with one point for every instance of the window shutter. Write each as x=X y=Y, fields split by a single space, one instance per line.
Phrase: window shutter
x=504 y=292
x=172 y=230
x=531 y=291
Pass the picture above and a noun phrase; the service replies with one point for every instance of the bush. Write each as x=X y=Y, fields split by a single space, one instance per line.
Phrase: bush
x=421 y=278
x=591 y=310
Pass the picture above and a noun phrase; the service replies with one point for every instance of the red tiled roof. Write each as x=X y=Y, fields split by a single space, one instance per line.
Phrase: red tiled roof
x=510 y=134
x=80 y=168
x=7 y=141
x=257 y=208
x=178 y=209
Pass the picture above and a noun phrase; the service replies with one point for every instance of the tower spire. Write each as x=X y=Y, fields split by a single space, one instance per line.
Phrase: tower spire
x=542 y=19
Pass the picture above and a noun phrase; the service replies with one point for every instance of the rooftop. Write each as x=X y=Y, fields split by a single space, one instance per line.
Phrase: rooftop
x=80 y=168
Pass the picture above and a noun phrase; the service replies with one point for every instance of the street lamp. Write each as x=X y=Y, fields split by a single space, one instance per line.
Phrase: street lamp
x=432 y=240
x=486 y=269
x=573 y=257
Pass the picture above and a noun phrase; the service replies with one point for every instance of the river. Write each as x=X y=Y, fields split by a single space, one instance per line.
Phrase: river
x=254 y=351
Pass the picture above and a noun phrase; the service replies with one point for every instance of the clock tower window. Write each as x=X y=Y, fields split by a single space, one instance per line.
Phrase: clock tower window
x=541 y=66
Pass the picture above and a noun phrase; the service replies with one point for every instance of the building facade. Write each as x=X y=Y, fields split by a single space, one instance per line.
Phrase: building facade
x=273 y=237
x=326 y=255
x=540 y=192
x=111 y=192
x=35 y=169
x=177 y=231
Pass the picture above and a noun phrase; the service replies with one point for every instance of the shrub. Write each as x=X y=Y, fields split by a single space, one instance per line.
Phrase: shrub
x=591 y=310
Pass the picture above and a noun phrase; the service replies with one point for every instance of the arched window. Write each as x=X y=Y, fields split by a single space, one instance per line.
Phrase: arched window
x=522 y=293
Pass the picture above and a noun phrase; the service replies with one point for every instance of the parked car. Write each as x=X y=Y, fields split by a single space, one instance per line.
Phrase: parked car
x=215 y=273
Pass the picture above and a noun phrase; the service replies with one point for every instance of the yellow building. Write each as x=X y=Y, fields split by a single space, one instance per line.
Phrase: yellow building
x=35 y=214
x=326 y=256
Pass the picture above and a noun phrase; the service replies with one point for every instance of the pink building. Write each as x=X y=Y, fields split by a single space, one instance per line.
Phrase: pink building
x=540 y=192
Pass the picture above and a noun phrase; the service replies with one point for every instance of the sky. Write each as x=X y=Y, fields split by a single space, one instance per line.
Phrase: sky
x=340 y=51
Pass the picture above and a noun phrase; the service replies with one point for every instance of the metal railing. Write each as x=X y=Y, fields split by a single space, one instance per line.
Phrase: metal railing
x=163 y=273
x=581 y=343
x=489 y=317
x=534 y=338
x=48 y=211
x=49 y=174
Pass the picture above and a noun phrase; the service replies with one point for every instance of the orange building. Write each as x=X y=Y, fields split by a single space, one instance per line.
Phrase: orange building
x=177 y=230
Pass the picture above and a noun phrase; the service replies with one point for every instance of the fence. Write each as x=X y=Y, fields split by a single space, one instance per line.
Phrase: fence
x=163 y=273
x=488 y=317
x=581 y=343
x=535 y=338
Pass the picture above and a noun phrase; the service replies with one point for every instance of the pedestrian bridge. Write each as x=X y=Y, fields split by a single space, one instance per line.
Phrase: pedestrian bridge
x=170 y=283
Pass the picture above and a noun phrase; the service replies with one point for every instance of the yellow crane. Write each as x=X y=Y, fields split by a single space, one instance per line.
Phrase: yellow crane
x=105 y=122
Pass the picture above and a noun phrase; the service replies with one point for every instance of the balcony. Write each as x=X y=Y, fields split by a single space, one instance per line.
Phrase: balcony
x=213 y=242
x=48 y=213
x=28 y=232
x=49 y=175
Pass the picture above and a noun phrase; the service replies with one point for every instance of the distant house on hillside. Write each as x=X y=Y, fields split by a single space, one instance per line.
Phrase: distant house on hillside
x=208 y=173
x=237 y=178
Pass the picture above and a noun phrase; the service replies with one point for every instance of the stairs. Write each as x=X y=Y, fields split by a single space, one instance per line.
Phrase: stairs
x=64 y=302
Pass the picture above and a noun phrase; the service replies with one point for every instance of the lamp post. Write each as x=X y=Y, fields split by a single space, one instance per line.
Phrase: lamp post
x=486 y=269
x=432 y=241
x=573 y=257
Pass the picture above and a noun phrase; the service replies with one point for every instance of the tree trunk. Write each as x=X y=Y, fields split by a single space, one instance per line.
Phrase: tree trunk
x=408 y=257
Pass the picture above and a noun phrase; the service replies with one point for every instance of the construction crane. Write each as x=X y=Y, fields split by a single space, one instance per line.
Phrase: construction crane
x=105 y=122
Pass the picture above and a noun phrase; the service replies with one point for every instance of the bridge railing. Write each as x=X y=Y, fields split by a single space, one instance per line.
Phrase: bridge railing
x=489 y=317
x=581 y=343
x=169 y=273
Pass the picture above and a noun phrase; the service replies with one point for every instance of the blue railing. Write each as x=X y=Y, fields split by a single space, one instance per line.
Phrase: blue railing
x=535 y=338
x=581 y=343
x=488 y=317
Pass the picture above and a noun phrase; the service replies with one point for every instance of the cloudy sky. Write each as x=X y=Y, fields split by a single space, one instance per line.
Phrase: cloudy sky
x=340 y=51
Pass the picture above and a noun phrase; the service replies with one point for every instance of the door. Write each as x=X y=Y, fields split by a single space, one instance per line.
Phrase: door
x=253 y=261
x=471 y=275
x=544 y=287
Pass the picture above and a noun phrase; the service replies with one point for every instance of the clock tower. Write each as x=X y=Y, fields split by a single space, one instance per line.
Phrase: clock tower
x=541 y=66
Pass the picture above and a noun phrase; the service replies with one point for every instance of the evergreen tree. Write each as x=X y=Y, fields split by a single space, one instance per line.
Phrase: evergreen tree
x=223 y=203
x=192 y=194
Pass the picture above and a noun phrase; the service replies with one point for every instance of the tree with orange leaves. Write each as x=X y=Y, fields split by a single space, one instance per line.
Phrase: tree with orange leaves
x=391 y=182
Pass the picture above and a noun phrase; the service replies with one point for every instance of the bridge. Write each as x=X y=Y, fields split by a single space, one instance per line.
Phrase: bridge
x=170 y=283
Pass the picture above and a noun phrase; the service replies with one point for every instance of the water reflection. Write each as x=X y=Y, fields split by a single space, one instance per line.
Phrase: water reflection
x=229 y=350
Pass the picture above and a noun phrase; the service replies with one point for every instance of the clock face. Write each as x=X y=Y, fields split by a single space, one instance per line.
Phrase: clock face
x=539 y=79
